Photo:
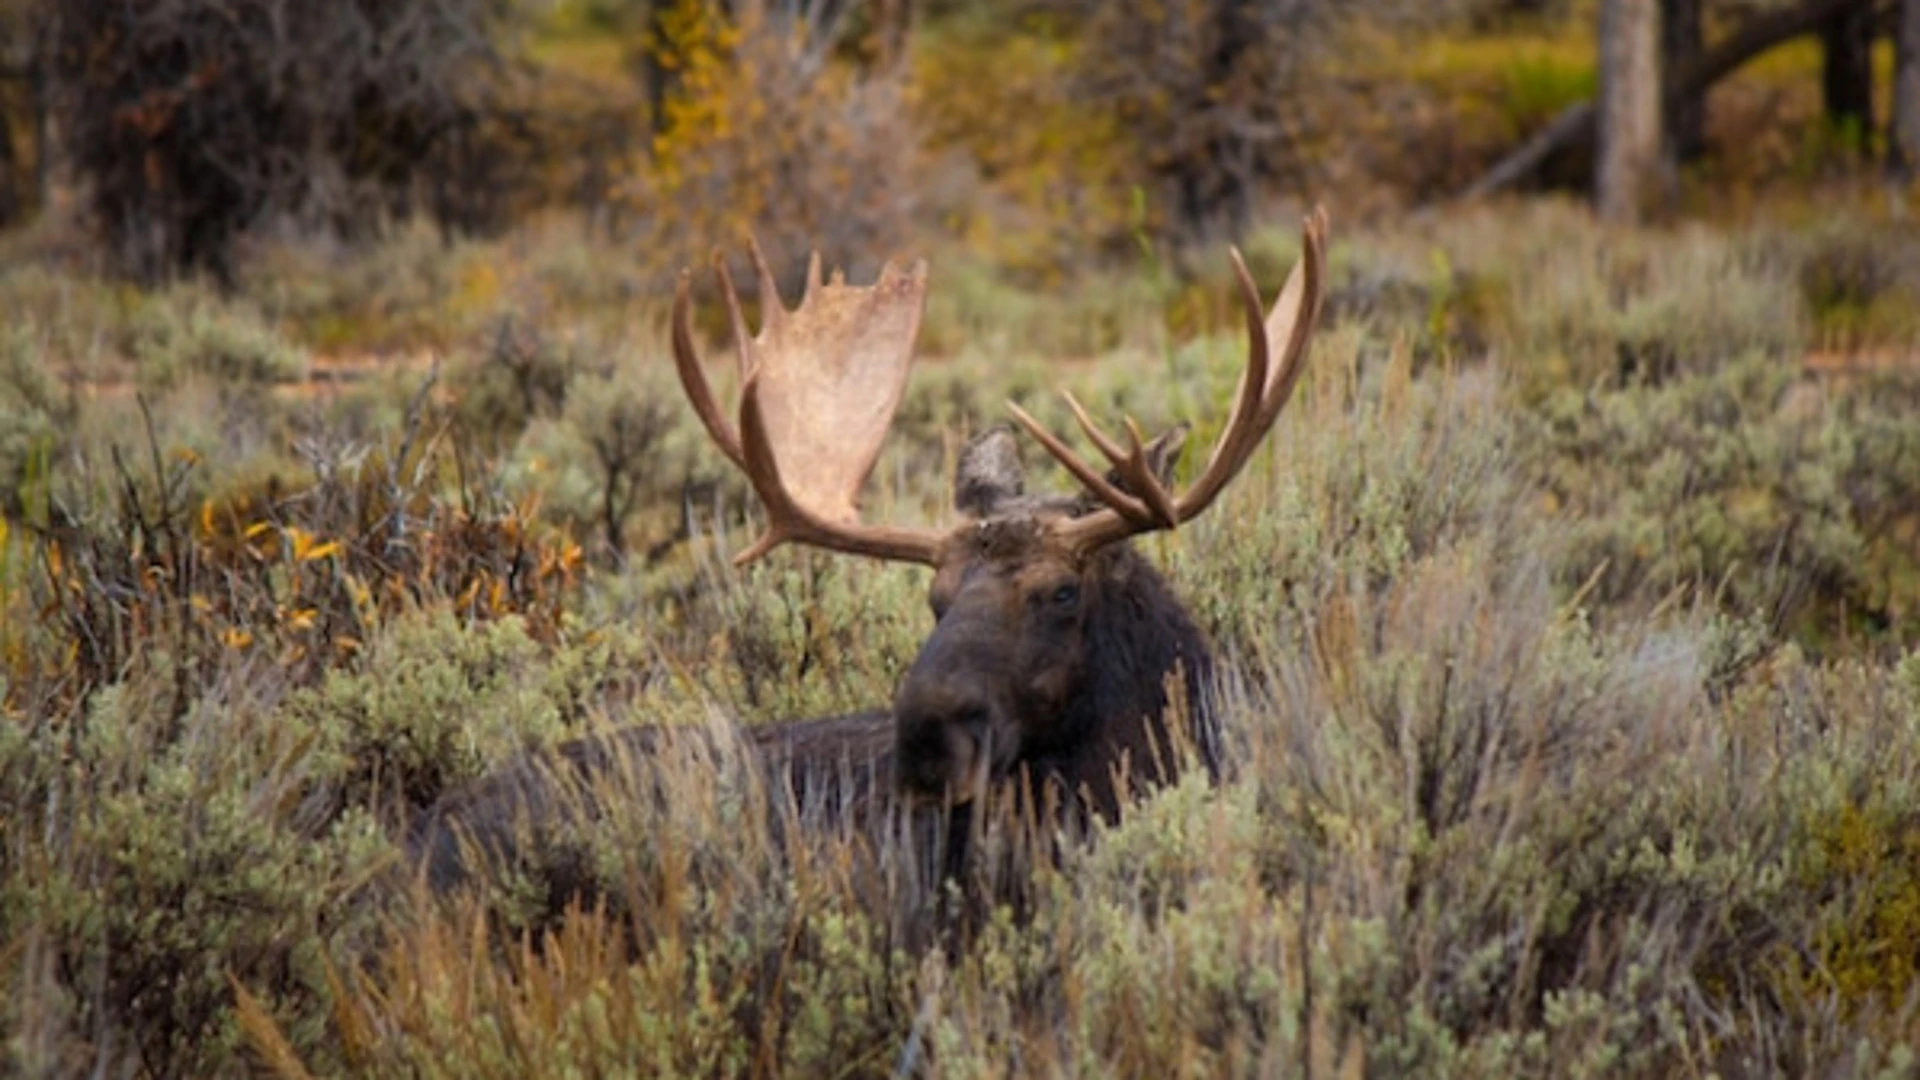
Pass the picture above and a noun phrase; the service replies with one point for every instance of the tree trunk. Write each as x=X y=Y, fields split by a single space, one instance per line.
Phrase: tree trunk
x=893 y=31
x=655 y=79
x=1576 y=123
x=1681 y=42
x=1846 y=71
x=11 y=209
x=1212 y=190
x=41 y=101
x=1903 y=150
x=1491 y=16
x=1629 y=113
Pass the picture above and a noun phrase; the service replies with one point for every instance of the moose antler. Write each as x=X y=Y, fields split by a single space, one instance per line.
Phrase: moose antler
x=819 y=385
x=1147 y=505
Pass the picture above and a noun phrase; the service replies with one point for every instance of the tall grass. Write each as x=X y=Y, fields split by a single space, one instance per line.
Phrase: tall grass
x=1573 y=704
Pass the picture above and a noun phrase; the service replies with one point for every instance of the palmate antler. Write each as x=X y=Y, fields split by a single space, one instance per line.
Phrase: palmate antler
x=1147 y=505
x=819 y=385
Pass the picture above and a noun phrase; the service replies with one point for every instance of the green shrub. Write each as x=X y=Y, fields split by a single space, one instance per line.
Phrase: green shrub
x=1722 y=482
x=71 y=314
x=806 y=634
x=434 y=702
x=34 y=419
x=1584 y=307
x=196 y=861
x=184 y=330
x=1369 y=471
x=411 y=289
x=1861 y=285
x=621 y=448
x=521 y=375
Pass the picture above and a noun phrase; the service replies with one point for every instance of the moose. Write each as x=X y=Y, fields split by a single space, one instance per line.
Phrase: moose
x=1060 y=660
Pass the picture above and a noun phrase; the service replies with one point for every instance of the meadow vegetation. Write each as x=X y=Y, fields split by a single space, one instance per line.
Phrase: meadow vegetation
x=1574 y=697
x=1572 y=619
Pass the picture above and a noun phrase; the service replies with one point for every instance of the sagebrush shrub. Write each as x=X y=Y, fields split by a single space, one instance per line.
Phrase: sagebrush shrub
x=1722 y=482
x=434 y=702
x=196 y=862
x=183 y=331
x=1573 y=703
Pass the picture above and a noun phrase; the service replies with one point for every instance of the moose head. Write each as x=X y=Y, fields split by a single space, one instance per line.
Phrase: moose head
x=1056 y=649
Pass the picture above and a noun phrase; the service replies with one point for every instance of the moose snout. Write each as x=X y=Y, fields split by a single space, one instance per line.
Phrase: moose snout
x=943 y=741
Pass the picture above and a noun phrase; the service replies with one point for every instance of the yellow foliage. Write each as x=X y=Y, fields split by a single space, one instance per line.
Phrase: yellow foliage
x=1006 y=103
x=479 y=289
x=758 y=132
x=1866 y=865
x=320 y=551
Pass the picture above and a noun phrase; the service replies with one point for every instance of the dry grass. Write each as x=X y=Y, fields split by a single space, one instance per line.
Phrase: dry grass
x=1573 y=698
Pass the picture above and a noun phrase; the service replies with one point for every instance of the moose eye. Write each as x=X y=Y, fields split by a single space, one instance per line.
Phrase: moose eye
x=1066 y=595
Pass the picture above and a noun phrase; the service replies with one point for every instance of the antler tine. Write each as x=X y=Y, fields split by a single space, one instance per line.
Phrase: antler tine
x=1094 y=434
x=736 y=318
x=1243 y=429
x=773 y=310
x=1140 y=474
x=1263 y=391
x=693 y=378
x=1128 y=507
x=813 y=275
x=1299 y=317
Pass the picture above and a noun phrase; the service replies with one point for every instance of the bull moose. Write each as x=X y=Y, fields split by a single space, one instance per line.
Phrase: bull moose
x=1057 y=652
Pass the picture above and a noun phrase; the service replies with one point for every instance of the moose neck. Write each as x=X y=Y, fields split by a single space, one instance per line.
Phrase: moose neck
x=1141 y=643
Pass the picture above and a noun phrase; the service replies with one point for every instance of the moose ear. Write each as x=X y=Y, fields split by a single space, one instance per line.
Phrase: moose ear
x=1163 y=453
x=989 y=474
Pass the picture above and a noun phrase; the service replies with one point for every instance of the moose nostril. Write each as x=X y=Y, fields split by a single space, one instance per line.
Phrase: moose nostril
x=922 y=742
x=938 y=745
x=923 y=754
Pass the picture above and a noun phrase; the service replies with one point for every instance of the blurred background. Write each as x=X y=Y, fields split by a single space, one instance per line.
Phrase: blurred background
x=182 y=136
x=1571 y=612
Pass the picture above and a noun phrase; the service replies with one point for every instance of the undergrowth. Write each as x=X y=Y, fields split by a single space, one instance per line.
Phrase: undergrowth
x=1572 y=702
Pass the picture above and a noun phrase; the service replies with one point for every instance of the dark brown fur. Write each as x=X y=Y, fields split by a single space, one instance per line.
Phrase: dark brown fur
x=827 y=769
x=1044 y=665
x=1044 y=661
x=1050 y=665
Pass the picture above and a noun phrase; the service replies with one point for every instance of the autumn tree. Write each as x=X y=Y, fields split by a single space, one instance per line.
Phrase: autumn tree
x=767 y=126
x=1210 y=91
